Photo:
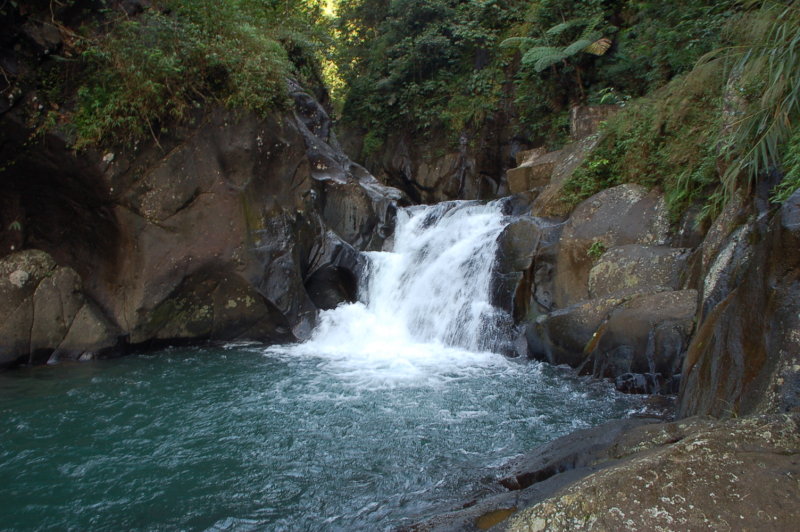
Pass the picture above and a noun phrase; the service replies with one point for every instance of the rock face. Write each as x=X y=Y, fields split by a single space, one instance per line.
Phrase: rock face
x=626 y=214
x=45 y=312
x=744 y=358
x=524 y=268
x=616 y=307
x=633 y=268
x=639 y=474
x=690 y=475
x=233 y=227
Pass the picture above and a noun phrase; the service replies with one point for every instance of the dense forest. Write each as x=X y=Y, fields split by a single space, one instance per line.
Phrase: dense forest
x=261 y=201
x=699 y=82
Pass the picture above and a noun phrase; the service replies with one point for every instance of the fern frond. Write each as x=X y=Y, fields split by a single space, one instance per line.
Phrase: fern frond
x=591 y=27
x=542 y=57
x=577 y=46
x=517 y=42
x=599 y=47
x=558 y=29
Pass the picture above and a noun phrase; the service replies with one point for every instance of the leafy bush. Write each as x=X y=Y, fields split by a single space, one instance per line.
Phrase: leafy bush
x=791 y=167
x=146 y=70
x=667 y=140
x=424 y=66
x=766 y=75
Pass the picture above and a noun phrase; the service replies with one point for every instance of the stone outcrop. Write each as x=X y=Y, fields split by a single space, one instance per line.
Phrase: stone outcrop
x=632 y=268
x=45 y=312
x=744 y=357
x=626 y=214
x=689 y=475
x=524 y=267
x=637 y=340
x=641 y=474
x=231 y=227
x=617 y=308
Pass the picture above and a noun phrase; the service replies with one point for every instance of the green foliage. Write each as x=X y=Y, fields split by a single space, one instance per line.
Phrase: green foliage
x=373 y=142
x=667 y=140
x=766 y=83
x=558 y=43
x=147 y=70
x=660 y=40
x=426 y=66
x=596 y=250
x=791 y=168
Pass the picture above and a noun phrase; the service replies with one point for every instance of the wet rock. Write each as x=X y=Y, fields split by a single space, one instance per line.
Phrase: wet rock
x=20 y=275
x=44 y=310
x=524 y=266
x=91 y=335
x=626 y=214
x=224 y=229
x=333 y=274
x=56 y=303
x=565 y=336
x=537 y=475
x=743 y=358
x=736 y=474
x=647 y=335
x=632 y=268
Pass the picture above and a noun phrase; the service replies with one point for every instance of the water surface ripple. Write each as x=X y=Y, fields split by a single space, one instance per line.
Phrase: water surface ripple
x=240 y=439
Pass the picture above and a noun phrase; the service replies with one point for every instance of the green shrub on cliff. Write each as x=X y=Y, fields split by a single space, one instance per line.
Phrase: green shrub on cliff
x=668 y=140
x=766 y=77
x=720 y=127
x=145 y=70
x=423 y=66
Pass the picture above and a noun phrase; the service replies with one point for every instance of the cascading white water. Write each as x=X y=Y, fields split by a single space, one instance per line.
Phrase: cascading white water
x=426 y=305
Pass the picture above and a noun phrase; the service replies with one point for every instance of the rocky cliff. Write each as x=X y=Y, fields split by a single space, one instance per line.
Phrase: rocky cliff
x=227 y=227
x=614 y=290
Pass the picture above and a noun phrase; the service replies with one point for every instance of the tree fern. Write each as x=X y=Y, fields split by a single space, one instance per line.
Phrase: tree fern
x=578 y=46
x=518 y=42
x=542 y=57
x=558 y=29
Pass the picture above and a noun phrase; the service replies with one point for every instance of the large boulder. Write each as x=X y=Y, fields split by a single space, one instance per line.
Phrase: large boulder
x=565 y=336
x=744 y=358
x=632 y=268
x=639 y=474
x=643 y=342
x=689 y=475
x=44 y=310
x=639 y=339
x=524 y=266
x=230 y=226
x=626 y=214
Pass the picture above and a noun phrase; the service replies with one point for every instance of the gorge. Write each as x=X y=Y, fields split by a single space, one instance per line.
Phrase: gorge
x=485 y=295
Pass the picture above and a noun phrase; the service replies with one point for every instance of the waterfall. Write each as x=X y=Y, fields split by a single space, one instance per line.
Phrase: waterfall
x=425 y=304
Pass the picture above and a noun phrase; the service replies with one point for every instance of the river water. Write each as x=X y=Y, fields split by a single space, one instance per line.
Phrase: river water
x=397 y=408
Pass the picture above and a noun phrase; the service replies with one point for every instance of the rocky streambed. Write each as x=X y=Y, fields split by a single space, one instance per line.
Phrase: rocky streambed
x=232 y=227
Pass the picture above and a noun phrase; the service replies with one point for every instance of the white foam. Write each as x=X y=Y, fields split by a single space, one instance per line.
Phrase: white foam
x=425 y=314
